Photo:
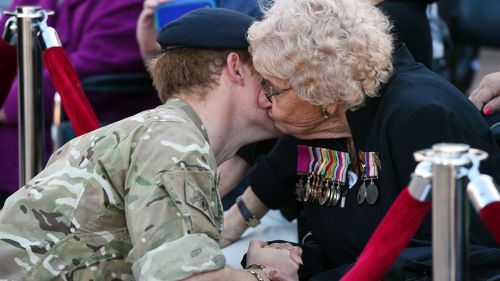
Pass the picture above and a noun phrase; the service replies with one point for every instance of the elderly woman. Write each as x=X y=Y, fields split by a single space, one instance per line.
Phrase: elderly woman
x=330 y=68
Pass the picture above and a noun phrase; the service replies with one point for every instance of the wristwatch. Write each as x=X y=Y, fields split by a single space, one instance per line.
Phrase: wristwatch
x=250 y=219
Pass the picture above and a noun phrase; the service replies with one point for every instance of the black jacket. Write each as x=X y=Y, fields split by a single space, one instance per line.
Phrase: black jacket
x=416 y=109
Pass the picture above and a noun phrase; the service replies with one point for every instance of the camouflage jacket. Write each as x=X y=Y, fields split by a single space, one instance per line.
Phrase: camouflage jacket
x=134 y=200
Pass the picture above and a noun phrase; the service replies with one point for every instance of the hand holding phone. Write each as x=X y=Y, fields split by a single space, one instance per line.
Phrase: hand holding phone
x=146 y=31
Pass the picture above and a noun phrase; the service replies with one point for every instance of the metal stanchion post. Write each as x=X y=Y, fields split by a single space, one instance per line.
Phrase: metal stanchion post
x=450 y=225
x=450 y=212
x=31 y=120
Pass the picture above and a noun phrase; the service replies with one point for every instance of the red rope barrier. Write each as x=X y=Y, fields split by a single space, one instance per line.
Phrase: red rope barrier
x=66 y=82
x=490 y=215
x=390 y=238
x=8 y=65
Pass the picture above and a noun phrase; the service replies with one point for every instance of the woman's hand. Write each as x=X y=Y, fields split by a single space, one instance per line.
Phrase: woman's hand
x=486 y=96
x=146 y=32
x=295 y=252
x=234 y=222
x=234 y=226
x=282 y=262
x=232 y=171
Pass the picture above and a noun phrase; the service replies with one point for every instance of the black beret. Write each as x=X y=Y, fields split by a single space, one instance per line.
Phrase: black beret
x=208 y=28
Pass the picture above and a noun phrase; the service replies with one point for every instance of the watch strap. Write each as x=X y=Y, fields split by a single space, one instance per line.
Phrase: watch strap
x=250 y=219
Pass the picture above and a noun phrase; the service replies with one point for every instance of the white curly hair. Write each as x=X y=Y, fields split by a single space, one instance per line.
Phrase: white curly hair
x=329 y=51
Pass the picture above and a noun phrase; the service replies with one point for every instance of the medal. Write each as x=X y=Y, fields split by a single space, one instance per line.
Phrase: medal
x=331 y=198
x=371 y=193
x=325 y=194
x=369 y=164
x=302 y=170
x=320 y=190
x=326 y=172
x=322 y=162
x=361 y=193
x=315 y=190
x=307 y=191
x=336 y=196
x=299 y=189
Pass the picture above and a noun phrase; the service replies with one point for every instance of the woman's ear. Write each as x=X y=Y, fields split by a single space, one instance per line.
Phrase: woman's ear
x=234 y=68
x=335 y=109
x=332 y=108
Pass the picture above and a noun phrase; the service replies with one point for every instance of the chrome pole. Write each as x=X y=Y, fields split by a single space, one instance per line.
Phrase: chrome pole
x=450 y=209
x=31 y=120
x=450 y=224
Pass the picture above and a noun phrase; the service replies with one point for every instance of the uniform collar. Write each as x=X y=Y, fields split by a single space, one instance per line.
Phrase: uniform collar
x=179 y=104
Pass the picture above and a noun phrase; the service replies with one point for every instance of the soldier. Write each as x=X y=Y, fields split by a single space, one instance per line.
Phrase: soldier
x=138 y=199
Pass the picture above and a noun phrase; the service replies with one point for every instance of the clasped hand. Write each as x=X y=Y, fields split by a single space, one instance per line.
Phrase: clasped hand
x=281 y=259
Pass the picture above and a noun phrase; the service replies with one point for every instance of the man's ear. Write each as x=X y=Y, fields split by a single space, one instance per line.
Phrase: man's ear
x=234 y=68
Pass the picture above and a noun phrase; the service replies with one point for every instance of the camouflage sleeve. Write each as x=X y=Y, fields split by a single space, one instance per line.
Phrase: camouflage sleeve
x=181 y=258
x=171 y=211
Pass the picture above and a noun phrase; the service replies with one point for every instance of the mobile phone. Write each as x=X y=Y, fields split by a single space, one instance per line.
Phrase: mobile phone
x=169 y=11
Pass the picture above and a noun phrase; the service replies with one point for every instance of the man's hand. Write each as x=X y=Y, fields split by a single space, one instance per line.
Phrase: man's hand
x=275 y=275
x=486 y=96
x=283 y=260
